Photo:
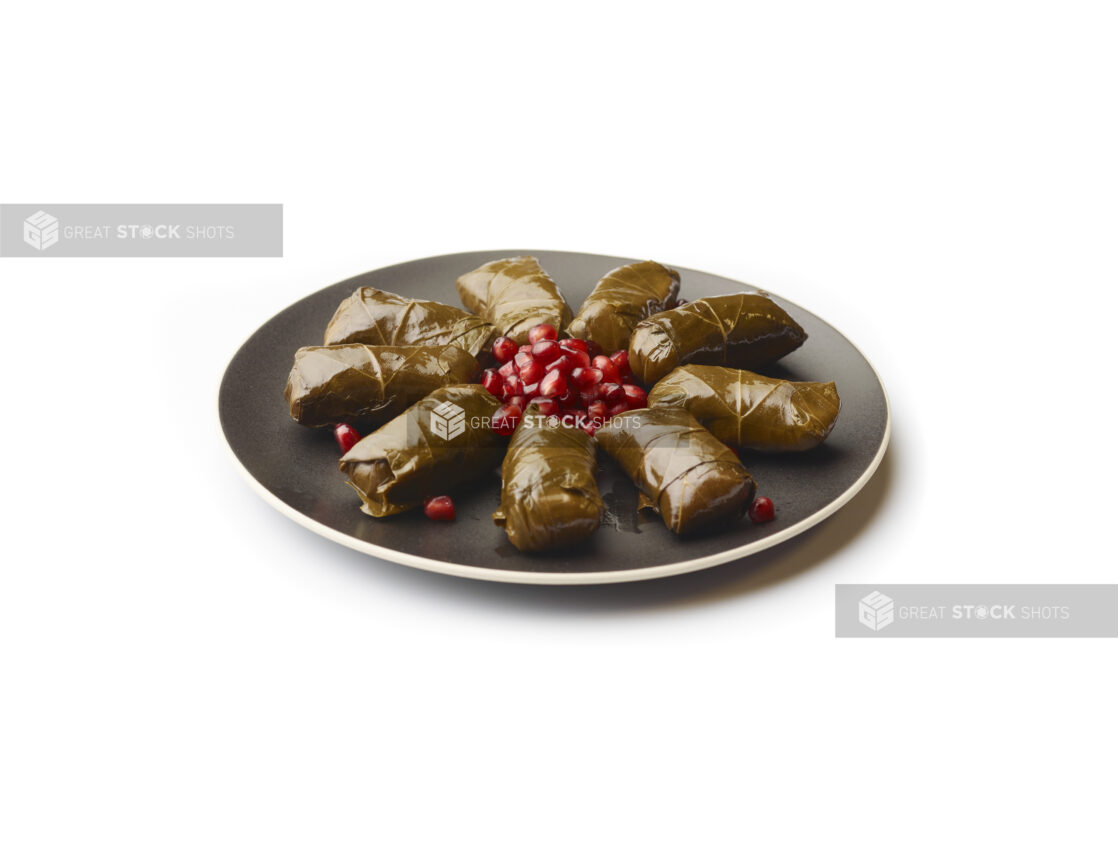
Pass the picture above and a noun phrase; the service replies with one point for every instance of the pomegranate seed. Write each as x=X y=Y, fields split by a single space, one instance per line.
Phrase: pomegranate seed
x=635 y=396
x=545 y=406
x=504 y=349
x=439 y=508
x=492 y=381
x=507 y=369
x=563 y=364
x=568 y=401
x=518 y=400
x=597 y=410
x=593 y=348
x=547 y=351
x=578 y=358
x=553 y=385
x=531 y=370
x=576 y=415
x=617 y=407
x=541 y=332
x=513 y=386
x=589 y=396
x=576 y=344
x=621 y=360
x=762 y=510
x=525 y=349
x=611 y=392
x=532 y=389
x=628 y=380
x=586 y=377
x=346 y=436
x=506 y=418
x=609 y=371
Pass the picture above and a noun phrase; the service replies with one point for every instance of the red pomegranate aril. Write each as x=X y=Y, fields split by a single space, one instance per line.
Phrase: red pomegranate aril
x=609 y=371
x=506 y=418
x=504 y=349
x=545 y=406
x=585 y=377
x=346 y=437
x=611 y=392
x=579 y=359
x=636 y=397
x=589 y=396
x=628 y=380
x=568 y=401
x=621 y=360
x=532 y=372
x=518 y=400
x=525 y=348
x=439 y=508
x=590 y=425
x=762 y=510
x=563 y=364
x=508 y=369
x=541 y=332
x=553 y=385
x=547 y=351
x=492 y=382
x=597 y=410
x=532 y=389
x=513 y=386
x=574 y=343
x=617 y=407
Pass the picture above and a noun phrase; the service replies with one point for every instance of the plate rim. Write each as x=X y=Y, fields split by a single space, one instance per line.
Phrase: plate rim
x=526 y=577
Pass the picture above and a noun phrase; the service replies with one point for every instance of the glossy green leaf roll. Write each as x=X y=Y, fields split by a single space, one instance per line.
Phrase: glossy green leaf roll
x=515 y=295
x=623 y=298
x=374 y=317
x=425 y=451
x=549 y=496
x=681 y=470
x=745 y=330
x=369 y=384
x=750 y=410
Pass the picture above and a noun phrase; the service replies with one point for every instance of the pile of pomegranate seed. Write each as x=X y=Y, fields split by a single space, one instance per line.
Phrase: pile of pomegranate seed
x=568 y=378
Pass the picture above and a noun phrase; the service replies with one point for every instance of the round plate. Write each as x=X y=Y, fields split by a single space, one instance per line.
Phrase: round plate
x=296 y=469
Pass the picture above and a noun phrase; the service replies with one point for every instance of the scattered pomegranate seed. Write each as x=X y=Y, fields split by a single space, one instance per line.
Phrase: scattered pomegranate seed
x=506 y=418
x=346 y=437
x=547 y=351
x=439 y=508
x=531 y=371
x=492 y=382
x=621 y=360
x=577 y=344
x=504 y=349
x=563 y=364
x=762 y=510
x=518 y=400
x=545 y=406
x=508 y=369
x=553 y=385
x=609 y=371
x=635 y=396
x=541 y=332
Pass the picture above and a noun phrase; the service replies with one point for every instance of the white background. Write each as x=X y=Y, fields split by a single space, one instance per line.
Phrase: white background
x=179 y=661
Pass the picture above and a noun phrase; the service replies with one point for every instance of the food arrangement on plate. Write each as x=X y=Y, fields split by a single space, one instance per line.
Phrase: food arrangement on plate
x=423 y=396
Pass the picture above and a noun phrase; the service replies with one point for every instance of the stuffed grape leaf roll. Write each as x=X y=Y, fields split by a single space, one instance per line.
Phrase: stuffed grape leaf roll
x=549 y=495
x=515 y=295
x=369 y=384
x=744 y=330
x=680 y=469
x=444 y=439
x=374 y=317
x=750 y=410
x=623 y=298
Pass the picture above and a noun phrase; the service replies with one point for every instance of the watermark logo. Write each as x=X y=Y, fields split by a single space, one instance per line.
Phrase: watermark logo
x=448 y=421
x=40 y=230
x=875 y=611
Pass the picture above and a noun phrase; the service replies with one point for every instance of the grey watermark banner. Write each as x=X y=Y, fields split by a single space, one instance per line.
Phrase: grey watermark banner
x=141 y=230
x=976 y=610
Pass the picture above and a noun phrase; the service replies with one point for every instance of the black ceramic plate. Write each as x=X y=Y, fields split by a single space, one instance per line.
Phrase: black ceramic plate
x=296 y=469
